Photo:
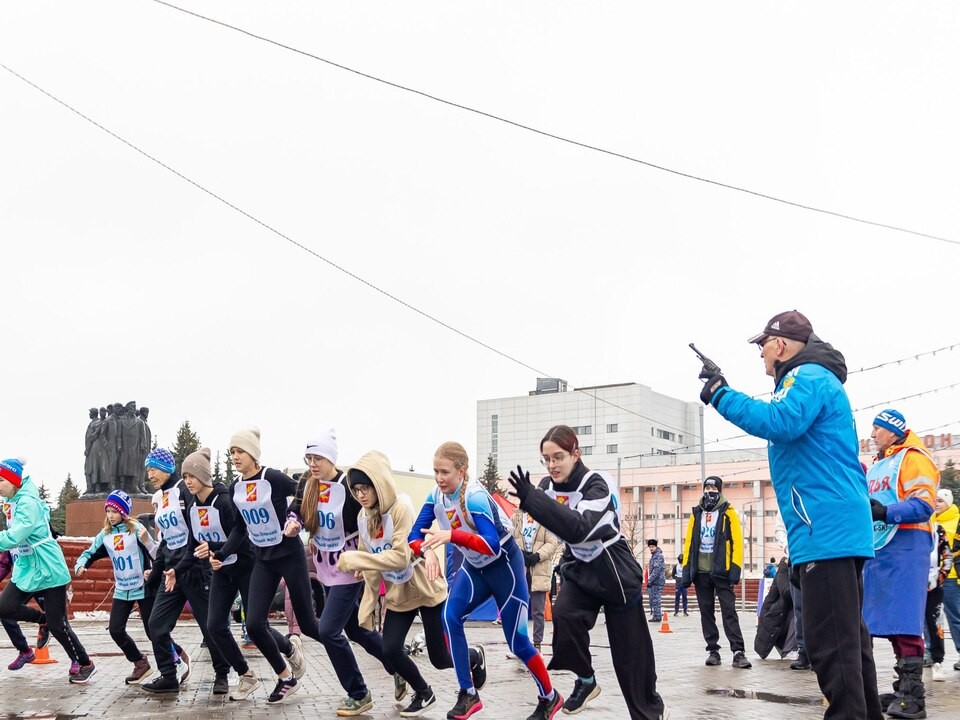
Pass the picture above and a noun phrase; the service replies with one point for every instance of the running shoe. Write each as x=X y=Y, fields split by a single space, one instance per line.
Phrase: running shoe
x=22 y=659
x=141 y=669
x=399 y=687
x=478 y=667
x=583 y=693
x=248 y=683
x=183 y=666
x=466 y=706
x=83 y=674
x=162 y=686
x=422 y=701
x=221 y=685
x=351 y=706
x=43 y=636
x=547 y=708
x=285 y=688
x=298 y=663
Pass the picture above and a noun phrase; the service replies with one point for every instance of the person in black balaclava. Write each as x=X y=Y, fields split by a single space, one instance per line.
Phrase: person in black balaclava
x=713 y=552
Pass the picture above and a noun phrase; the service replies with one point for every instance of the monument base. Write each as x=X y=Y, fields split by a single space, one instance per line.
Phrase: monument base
x=85 y=516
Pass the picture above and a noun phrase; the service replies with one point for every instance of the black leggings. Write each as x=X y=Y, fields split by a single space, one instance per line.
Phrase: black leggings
x=119 y=614
x=13 y=605
x=224 y=586
x=396 y=625
x=264 y=581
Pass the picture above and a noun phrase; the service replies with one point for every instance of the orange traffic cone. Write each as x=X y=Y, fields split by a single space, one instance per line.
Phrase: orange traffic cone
x=665 y=625
x=42 y=656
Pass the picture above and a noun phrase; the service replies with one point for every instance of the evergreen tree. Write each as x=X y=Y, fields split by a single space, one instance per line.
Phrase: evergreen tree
x=491 y=478
x=187 y=442
x=950 y=476
x=217 y=474
x=45 y=494
x=230 y=475
x=69 y=493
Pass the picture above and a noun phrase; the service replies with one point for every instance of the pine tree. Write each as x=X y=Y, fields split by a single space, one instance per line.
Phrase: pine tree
x=44 y=494
x=217 y=474
x=491 y=478
x=229 y=476
x=187 y=442
x=950 y=476
x=68 y=493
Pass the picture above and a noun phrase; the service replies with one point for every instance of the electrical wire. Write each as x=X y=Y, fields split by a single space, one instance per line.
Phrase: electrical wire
x=561 y=138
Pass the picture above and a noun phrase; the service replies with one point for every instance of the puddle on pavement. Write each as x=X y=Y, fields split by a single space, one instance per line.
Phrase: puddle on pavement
x=765 y=696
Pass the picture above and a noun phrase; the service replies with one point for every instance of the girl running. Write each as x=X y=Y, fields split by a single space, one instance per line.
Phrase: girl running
x=598 y=570
x=385 y=558
x=39 y=566
x=328 y=511
x=212 y=518
x=493 y=567
x=260 y=496
x=127 y=543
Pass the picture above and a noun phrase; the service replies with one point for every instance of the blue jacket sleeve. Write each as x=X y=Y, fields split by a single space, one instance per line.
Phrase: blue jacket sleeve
x=795 y=405
x=911 y=510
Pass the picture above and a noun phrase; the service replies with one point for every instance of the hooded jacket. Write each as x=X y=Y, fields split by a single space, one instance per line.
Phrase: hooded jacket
x=545 y=544
x=39 y=564
x=950 y=519
x=401 y=597
x=727 y=559
x=814 y=454
x=98 y=550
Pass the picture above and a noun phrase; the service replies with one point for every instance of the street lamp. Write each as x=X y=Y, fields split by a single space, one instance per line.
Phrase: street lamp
x=743 y=595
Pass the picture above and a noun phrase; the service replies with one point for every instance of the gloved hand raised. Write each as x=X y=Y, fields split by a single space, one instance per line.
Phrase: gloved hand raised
x=712 y=388
x=520 y=479
x=878 y=510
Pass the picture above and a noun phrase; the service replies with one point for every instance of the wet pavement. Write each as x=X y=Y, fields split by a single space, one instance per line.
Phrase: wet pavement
x=691 y=690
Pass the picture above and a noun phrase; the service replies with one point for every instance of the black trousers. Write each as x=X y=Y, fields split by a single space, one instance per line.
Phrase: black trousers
x=836 y=638
x=264 y=581
x=932 y=613
x=396 y=625
x=631 y=647
x=13 y=605
x=13 y=629
x=194 y=588
x=225 y=583
x=119 y=614
x=710 y=589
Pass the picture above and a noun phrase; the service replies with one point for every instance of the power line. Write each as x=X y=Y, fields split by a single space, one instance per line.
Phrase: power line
x=907 y=397
x=331 y=263
x=561 y=138
x=903 y=360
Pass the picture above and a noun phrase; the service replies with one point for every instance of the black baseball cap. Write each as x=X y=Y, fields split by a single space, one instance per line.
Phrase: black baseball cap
x=790 y=324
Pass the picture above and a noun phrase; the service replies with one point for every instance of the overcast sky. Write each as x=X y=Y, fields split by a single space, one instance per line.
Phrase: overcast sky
x=121 y=281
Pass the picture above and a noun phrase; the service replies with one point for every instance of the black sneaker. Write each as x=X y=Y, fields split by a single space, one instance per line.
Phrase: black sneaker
x=740 y=660
x=713 y=658
x=183 y=666
x=43 y=636
x=581 y=695
x=422 y=701
x=221 y=685
x=83 y=674
x=478 y=667
x=162 y=685
x=546 y=709
x=466 y=706
x=802 y=662
x=284 y=689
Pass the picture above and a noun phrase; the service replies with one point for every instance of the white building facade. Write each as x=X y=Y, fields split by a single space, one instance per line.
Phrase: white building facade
x=612 y=421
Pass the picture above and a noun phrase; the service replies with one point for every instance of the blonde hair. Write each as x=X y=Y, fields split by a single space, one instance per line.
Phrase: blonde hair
x=455 y=453
x=128 y=521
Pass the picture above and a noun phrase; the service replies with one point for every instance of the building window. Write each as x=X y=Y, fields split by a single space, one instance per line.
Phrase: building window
x=586 y=450
x=612 y=427
x=669 y=541
x=769 y=513
x=679 y=438
x=611 y=449
x=666 y=435
x=583 y=429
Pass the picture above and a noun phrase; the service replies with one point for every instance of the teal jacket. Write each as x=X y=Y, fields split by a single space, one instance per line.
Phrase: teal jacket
x=40 y=563
x=97 y=550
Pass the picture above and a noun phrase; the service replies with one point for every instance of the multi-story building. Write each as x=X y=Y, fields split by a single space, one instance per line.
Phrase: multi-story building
x=611 y=421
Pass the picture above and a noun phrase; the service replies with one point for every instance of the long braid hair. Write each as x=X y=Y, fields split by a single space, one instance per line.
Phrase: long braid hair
x=455 y=453
x=308 y=503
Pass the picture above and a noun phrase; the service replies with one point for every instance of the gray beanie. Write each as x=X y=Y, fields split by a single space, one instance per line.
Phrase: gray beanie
x=198 y=465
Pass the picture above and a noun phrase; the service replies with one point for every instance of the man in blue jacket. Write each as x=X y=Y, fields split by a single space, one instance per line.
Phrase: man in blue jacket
x=822 y=493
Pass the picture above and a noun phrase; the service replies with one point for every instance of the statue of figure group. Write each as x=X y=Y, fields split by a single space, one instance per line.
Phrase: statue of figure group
x=117 y=442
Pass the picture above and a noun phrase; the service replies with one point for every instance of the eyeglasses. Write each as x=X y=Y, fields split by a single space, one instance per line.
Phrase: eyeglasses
x=767 y=339
x=312 y=459
x=548 y=460
x=362 y=490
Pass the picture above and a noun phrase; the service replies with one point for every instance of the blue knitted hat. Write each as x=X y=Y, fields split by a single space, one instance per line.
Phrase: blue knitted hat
x=893 y=421
x=119 y=501
x=161 y=459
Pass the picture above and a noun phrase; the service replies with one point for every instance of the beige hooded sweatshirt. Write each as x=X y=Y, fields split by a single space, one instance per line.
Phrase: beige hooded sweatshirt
x=394 y=560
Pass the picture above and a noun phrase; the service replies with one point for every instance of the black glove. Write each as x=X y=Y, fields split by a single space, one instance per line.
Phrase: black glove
x=878 y=510
x=521 y=483
x=530 y=558
x=713 y=387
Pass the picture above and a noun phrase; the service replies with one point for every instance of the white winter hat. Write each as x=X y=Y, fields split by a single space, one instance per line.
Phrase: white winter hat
x=324 y=445
x=946 y=495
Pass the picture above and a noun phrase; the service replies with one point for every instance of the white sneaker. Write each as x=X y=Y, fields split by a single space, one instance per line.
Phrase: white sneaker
x=248 y=683
x=936 y=670
x=298 y=663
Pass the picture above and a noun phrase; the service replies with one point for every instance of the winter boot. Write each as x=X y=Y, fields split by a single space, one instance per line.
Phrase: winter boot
x=910 y=702
x=887 y=699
